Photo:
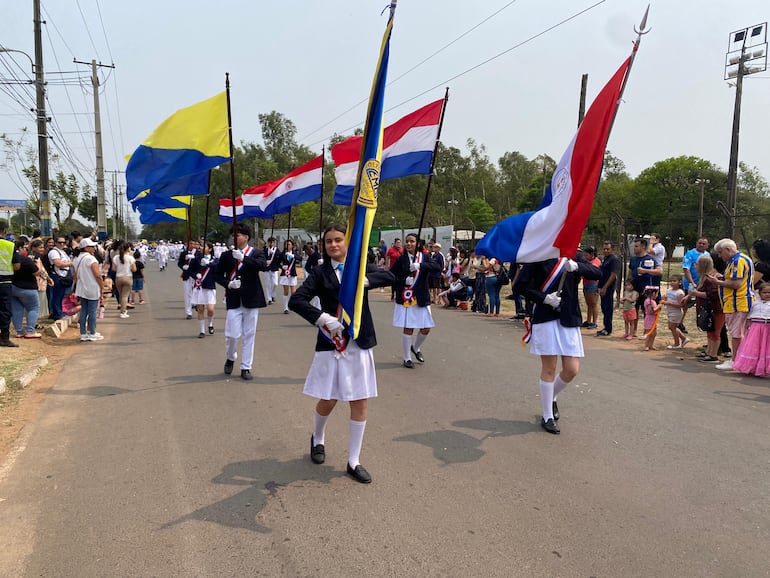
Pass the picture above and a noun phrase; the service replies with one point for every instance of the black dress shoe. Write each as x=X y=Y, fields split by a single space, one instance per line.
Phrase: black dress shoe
x=418 y=355
x=246 y=374
x=8 y=343
x=317 y=452
x=555 y=411
x=549 y=426
x=201 y=335
x=188 y=317
x=211 y=330
x=229 y=366
x=359 y=474
x=408 y=363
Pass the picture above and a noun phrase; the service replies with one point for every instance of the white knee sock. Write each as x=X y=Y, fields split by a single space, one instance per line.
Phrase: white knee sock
x=406 y=343
x=558 y=386
x=356 y=440
x=211 y=321
x=419 y=340
x=320 y=427
x=202 y=325
x=285 y=302
x=546 y=399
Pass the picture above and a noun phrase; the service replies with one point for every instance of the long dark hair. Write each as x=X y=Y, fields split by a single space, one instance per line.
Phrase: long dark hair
x=122 y=251
x=339 y=227
x=416 y=245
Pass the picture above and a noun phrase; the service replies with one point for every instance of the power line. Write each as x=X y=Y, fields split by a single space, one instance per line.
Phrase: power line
x=471 y=69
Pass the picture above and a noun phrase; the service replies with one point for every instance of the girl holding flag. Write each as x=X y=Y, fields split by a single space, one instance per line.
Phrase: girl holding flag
x=553 y=288
x=412 y=308
x=341 y=370
x=204 y=291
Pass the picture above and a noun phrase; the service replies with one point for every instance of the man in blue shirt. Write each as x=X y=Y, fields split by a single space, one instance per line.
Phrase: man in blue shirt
x=691 y=277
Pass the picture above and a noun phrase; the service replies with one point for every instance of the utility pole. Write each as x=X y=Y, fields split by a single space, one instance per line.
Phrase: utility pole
x=746 y=54
x=114 y=205
x=582 y=105
x=101 y=205
x=42 y=123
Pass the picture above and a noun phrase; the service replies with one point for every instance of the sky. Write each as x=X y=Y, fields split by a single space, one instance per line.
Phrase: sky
x=313 y=62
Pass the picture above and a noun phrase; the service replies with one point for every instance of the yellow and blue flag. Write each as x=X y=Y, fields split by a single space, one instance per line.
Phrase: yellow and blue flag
x=364 y=204
x=191 y=141
x=163 y=216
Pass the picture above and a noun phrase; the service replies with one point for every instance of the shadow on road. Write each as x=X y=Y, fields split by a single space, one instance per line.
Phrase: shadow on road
x=263 y=478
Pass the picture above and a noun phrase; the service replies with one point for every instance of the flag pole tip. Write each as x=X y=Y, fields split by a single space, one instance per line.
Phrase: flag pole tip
x=643 y=25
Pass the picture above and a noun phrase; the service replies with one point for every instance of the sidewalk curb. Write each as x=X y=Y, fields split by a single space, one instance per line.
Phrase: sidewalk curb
x=26 y=378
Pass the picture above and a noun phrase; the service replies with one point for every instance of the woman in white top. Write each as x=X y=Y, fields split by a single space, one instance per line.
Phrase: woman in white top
x=124 y=265
x=88 y=286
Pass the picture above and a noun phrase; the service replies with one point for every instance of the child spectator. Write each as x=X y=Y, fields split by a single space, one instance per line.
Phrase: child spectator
x=651 y=308
x=630 y=296
x=137 y=279
x=457 y=290
x=753 y=356
x=674 y=302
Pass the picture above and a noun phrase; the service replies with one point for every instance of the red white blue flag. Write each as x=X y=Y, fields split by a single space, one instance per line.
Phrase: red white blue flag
x=407 y=149
x=556 y=227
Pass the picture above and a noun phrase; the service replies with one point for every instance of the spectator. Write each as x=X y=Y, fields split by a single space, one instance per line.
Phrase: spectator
x=61 y=263
x=24 y=298
x=480 y=286
x=656 y=249
x=137 y=278
x=124 y=265
x=737 y=296
x=760 y=250
x=707 y=290
x=628 y=303
x=644 y=270
x=391 y=256
x=491 y=270
x=674 y=302
x=457 y=291
x=435 y=278
x=88 y=286
x=591 y=291
x=609 y=268
x=44 y=281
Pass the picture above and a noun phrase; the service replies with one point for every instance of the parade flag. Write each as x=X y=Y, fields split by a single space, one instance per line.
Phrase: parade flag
x=408 y=146
x=162 y=216
x=167 y=195
x=266 y=200
x=193 y=140
x=364 y=202
x=556 y=227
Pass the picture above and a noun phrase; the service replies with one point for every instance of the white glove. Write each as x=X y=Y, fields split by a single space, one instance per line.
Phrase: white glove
x=366 y=281
x=237 y=254
x=570 y=266
x=205 y=262
x=320 y=261
x=188 y=257
x=234 y=284
x=331 y=323
x=414 y=267
x=552 y=300
x=185 y=267
x=198 y=275
x=409 y=281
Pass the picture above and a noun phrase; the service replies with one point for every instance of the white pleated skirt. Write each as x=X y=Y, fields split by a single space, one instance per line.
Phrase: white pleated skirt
x=204 y=297
x=414 y=317
x=287 y=281
x=552 y=338
x=347 y=377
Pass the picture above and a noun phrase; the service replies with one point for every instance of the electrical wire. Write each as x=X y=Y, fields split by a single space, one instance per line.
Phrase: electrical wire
x=472 y=68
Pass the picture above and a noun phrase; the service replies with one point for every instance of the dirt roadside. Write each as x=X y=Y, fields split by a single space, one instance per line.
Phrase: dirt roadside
x=18 y=407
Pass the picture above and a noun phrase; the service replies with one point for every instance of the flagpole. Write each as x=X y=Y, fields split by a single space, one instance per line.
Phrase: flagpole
x=232 y=157
x=288 y=231
x=321 y=204
x=639 y=33
x=432 y=164
x=189 y=230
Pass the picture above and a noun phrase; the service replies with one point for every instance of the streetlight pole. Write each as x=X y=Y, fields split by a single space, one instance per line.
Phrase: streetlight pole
x=452 y=204
x=746 y=54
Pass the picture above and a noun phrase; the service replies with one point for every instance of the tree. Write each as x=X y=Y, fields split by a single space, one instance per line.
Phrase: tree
x=480 y=214
x=516 y=174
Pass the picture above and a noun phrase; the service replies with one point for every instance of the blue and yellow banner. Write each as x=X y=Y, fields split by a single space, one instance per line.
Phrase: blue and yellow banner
x=364 y=205
x=191 y=141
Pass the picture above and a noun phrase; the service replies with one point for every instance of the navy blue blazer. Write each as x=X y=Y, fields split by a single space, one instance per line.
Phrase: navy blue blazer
x=275 y=264
x=182 y=261
x=531 y=280
x=322 y=281
x=401 y=270
x=209 y=279
x=250 y=295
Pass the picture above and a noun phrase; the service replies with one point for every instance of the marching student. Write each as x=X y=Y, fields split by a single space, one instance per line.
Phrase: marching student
x=556 y=322
x=204 y=291
x=288 y=278
x=238 y=272
x=340 y=371
x=412 y=308
x=273 y=259
x=185 y=257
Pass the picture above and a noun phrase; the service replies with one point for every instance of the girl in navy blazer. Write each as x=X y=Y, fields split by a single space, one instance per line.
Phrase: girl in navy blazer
x=553 y=288
x=334 y=375
x=412 y=308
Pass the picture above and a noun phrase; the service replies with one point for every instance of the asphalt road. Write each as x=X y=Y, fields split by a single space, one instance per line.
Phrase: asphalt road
x=145 y=460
